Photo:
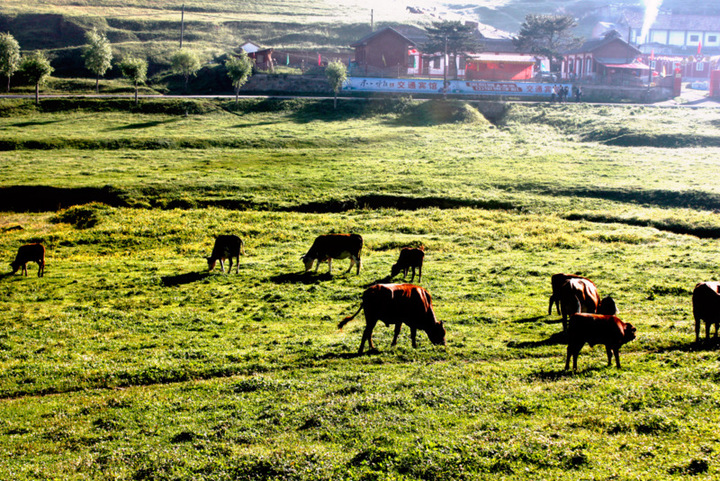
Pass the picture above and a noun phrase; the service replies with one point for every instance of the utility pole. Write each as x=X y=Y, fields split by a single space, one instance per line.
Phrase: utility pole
x=372 y=20
x=182 y=25
x=445 y=65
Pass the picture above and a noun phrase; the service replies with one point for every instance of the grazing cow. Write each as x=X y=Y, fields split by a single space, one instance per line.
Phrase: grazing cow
x=557 y=281
x=578 y=295
x=597 y=329
x=409 y=258
x=226 y=247
x=334 y=246
x=398 y=304
x=29 y=253
x=706 y=307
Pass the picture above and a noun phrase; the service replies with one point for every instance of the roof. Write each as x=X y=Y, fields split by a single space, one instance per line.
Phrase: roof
x=414 y=35
x=597 y=43
x=667 y=21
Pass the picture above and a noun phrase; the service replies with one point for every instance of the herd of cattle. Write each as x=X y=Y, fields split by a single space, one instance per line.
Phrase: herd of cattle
x=586 y=318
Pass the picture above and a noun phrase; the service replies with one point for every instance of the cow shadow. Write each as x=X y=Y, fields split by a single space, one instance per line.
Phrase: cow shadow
x=554 y=340
x=384 y=280
x=181 y=279
x=702 y=345
x=301 y=278
x=535 y=319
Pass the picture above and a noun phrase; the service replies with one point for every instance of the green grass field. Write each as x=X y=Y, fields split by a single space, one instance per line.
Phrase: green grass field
x=128 y=360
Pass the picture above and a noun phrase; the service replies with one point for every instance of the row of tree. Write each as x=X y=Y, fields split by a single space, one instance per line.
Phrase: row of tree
x=98 y=56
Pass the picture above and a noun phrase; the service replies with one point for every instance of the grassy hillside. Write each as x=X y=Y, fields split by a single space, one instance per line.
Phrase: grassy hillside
x=128 y=360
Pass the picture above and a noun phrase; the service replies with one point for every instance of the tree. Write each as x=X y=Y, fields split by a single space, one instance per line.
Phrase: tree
x=186 y=63
x=336 y=74
x=451 y=38
x=547 y=36
x=98 y=55
x=239 y=70
x=9 y=56
x=135 y=70
x=36 y=67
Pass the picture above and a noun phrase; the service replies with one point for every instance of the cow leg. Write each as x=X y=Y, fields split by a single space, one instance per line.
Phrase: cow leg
x=616 y=352
x=572 y=350
x=697 y=329
x=567 y=357
x=419 y=273
x=352 y=262
x=230 y=263
x=222 y=266
x=359 y=263
x=367 y=334
x=609 y=352
x=24 y=270
x=398 y=326
x=237 y=264
x=41 y=269
x=413 y=276
x=413 y=336
x=708 y=325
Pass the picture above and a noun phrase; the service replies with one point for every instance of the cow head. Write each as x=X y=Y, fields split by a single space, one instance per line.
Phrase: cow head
x=211 y=263
x=308 y=261
x=607 y=306
x=395 y=270
x=15 y=266
x=629 y=333
x=436 y=333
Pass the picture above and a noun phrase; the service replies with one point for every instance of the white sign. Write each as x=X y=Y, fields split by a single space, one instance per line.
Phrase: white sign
x=469 y=87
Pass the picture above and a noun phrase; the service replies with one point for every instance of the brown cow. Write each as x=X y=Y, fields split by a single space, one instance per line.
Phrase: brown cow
x=557 y=281
x=226 y=247
x=334 y=246
x=409 y=258
x=578 y=295
x=398 y=304
x=597 y=329
x=29 y=253
x=706 y=307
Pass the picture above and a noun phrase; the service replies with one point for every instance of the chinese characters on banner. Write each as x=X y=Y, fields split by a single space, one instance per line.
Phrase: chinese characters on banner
x=369 y=84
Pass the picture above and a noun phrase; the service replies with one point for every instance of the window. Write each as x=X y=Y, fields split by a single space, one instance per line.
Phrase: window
x=694 y=38
x=436 y=63
x=699 y=67
x=712 y=38
x=588 y=64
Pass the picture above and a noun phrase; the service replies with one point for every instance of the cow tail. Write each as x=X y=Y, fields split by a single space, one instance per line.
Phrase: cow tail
x=349 y=318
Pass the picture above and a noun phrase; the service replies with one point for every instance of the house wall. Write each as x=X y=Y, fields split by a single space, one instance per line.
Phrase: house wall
x=385 y=50
x=680 y=38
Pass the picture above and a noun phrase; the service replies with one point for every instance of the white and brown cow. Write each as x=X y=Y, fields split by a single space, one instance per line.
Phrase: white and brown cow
x=226 y=247
x=557 y=281
x=597 y=329
x=334 y=246
x=410 y=258
x=29 y=253
x=581 y=295
x=397 y=304
x=706 y=307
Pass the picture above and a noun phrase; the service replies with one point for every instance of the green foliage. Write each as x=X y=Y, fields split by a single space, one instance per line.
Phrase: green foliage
x=9 y=56
x=36 y=68
x=135 y=70
x=97 y=54
x=451 y=37
x=336 y=74
x=547 y=35
x=239 y=70
x=186 y=63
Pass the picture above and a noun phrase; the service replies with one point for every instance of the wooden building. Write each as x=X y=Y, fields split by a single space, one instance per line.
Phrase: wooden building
x=610 y=60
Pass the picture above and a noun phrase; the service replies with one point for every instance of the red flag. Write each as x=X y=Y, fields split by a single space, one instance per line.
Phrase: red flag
x=652 y=55
x=699 y=47
x=319 y=60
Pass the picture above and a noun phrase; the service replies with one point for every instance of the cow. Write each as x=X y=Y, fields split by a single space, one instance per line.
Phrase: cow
x=595 y=329
x=398 y=304
x=226 y=247
x=577 y=294
x=557 y=281
x=409 y=258
x=334 y=246
x=706 y=307
x=29 y=253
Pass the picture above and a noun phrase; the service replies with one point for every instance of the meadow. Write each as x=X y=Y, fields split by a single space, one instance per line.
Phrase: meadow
x=129 y=360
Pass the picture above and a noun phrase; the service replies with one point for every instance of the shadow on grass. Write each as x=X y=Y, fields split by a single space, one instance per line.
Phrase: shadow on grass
x=711 y=345
x=350 y=355
x=535 y=319
x=301 y=278
x=181 y=279
x=384 y=280
x=144 y=125
x=33 y=123
x=553 y=340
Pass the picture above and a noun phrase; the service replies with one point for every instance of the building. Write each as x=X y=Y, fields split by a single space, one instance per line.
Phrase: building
x=610 y=60
x=685 y=34
x=263 y=57
x=398 y=52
